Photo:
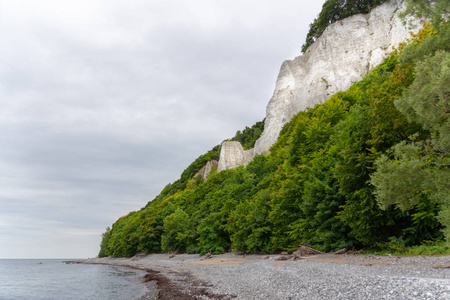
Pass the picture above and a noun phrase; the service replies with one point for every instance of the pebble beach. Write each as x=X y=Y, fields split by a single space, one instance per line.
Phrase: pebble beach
x=323 y=276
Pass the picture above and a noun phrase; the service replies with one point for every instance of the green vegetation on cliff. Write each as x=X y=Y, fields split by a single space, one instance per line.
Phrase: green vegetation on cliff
x=369 y=168
x=189 y=172
x=333 y=11
x=248 y=136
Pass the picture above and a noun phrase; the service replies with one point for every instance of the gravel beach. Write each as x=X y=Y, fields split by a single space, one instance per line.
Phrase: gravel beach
x=324 y=276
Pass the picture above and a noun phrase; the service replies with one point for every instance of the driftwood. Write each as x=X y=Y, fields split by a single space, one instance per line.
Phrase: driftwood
x=342 y=251
x=442 y=266
x=284 y=257
x=305 y=251
x=207 y=256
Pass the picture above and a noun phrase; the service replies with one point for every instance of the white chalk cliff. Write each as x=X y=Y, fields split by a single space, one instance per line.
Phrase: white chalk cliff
x=232 y=155
x=341 y=55
x=345 y=51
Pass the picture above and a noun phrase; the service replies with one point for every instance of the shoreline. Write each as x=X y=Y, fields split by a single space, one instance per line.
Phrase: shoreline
x=179 y=285
x=322 y=276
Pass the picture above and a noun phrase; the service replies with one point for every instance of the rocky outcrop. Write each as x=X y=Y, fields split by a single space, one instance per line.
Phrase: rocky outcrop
x=206 y=169
x=342 y=55
x=232 y=155
x=346 y=50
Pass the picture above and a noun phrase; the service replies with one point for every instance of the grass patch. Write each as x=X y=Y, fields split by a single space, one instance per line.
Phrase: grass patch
x=427 y=248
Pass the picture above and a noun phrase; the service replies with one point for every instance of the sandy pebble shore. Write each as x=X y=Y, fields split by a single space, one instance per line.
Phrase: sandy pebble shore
x=325 y=276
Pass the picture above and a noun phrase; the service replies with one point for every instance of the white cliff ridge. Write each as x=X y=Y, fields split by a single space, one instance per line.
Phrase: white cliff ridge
x=346 y=50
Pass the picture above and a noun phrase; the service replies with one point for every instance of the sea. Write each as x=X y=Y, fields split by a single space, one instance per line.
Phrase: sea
x=53 y=279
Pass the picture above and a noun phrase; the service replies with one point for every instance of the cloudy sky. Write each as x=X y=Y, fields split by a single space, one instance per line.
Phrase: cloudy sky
x=104 y=102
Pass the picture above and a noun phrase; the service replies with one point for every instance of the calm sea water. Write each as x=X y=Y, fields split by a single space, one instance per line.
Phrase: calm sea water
x=50 y=279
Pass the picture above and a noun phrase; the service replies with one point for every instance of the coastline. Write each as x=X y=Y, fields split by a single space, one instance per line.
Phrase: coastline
x=323 y=276
x=162 y=282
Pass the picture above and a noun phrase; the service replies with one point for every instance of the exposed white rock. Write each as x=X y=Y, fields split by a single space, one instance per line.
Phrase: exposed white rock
x=232 y=155
x=248 y=156
x=206 y=169
x=209 y=167
x=346 y=50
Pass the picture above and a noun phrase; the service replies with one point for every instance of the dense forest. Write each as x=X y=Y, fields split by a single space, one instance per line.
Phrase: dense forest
x=369 y=168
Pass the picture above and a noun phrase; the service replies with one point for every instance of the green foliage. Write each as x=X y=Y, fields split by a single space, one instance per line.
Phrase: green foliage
x=250 y=226
x=434 y=10
x=397 y=247
x=427 y=99
x=333 y=11
x=179 y=233
x=425 y=43
x=402 y=180
x=151 y=228
x=122 y=238
x=104 y=243
x=190 y=171
x=248 y=136
x=372 y=126
x=419 y=167
x=212 y=237
x=369 y=168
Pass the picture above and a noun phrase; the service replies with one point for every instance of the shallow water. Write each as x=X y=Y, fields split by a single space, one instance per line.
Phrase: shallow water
x=53 y=279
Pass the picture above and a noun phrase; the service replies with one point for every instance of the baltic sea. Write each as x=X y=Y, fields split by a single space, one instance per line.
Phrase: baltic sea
x=53 y=279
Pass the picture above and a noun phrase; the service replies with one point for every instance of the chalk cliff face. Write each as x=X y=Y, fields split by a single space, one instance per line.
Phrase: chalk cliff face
x=342 y=55
x=346 y=50
x=232 y=155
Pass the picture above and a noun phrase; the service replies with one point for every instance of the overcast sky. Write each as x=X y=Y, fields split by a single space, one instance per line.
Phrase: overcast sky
x=104 y=102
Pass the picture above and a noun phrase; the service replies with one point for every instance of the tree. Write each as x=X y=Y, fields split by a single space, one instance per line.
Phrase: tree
x=436 y=11
x=248 y=136
x=212 y=237
x=179 y=233
x=104 y=251
x=427 y=100
x=249 y=224
x=420 y=168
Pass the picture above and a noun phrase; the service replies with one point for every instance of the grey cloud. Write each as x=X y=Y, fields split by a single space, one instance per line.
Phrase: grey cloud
x=105 y=102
